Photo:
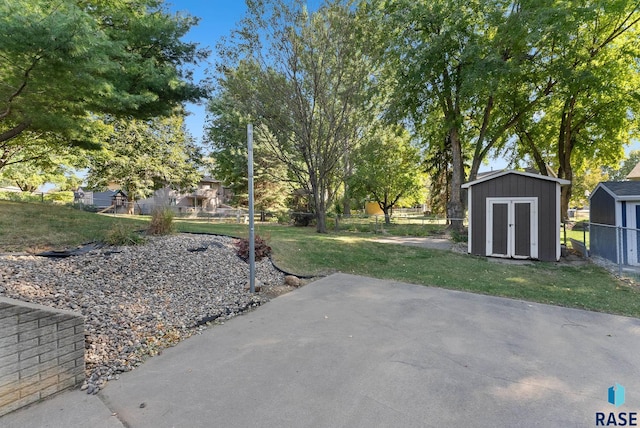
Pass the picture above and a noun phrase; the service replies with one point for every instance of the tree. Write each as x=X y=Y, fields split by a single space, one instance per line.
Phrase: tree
x=591 y=111
x=627 y=165
x=388 y=169
x=486 y=74
x=227 y=136
x=437 y=164
x=68 y=63
x=32 y=159
x=49 y=167
x=144 y=156
x=302 y=81
x=448 y=61
x=584 y=182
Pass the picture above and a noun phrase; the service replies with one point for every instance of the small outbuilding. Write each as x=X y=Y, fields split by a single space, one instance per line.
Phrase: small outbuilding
x=614 y=214
x=514 y=214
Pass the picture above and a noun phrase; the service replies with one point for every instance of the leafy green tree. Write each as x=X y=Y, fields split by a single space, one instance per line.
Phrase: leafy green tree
x=388 y=169
x=450 y=62
x=624 y=168
x=68 y=63
x=475 y=76
x=589 y=62
x=227 y=136
x=143 y=156
x=33 y=159
x=584 y=181
x=303 y=85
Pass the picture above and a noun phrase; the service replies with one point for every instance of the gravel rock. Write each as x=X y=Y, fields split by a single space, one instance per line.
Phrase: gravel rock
x=292 y=281
x=138 y=300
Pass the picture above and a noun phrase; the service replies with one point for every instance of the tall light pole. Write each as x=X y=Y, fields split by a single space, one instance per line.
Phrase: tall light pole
x=252 y=242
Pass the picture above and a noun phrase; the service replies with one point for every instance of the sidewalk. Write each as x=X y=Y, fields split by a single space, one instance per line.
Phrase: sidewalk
x=415 y=241
x=350 y=351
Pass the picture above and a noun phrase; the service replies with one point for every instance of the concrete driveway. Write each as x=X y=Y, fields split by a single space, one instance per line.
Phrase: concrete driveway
x=348 y=351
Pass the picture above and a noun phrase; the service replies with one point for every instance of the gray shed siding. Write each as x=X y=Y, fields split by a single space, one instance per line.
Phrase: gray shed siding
x=513 y=185
x=602 y=208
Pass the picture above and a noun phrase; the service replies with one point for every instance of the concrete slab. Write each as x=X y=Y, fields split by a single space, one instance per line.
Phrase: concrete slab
x=348 y=351
x=68 y=409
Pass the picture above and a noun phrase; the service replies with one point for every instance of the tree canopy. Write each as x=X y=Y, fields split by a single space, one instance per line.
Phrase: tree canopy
x=475 y=77
x=68 y=64
x=387 y=168
x=143 y=156
x=300 y=77
x=226 y=134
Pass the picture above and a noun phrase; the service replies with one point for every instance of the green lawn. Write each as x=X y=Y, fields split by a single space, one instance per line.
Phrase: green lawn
x=28 y=226
x=305 y=252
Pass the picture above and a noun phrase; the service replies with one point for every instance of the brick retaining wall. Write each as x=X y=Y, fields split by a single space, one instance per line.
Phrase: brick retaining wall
x=41 y=352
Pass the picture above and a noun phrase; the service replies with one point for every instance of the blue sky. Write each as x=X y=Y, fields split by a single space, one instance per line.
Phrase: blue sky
x=217 y=19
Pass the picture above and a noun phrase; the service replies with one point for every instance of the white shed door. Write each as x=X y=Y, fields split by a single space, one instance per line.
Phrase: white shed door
x=633 y=233
x=512 y=227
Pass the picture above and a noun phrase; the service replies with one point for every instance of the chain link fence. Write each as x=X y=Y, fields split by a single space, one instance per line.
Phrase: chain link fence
x=616 y=247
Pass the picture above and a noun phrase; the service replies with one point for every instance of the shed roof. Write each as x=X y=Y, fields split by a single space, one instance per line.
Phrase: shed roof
x=510 y=171
x=620 y=190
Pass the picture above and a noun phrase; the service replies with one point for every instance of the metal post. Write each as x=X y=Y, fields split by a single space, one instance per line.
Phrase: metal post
x=619 y=237
x=252 y=242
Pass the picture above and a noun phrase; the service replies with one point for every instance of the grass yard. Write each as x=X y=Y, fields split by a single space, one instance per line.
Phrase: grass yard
x=36 y=227
x=303 y=251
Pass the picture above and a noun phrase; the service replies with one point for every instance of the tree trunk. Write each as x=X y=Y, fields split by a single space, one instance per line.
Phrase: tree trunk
x=320 y=207
x=321 y=220
x=387 y=215
x=566 y=142
x=533 y=150
x=346 y=202
x=455 y=208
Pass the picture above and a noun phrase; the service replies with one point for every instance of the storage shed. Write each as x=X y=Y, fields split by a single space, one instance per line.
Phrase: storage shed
x=514 y=214
x=614 y=213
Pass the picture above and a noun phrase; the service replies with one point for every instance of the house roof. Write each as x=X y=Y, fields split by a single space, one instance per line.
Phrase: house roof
x=635 y=173
x=209 y=179
x=510 y=171
x=620 y=190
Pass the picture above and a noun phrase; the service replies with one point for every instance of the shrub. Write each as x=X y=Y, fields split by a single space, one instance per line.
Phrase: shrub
x=302 y=219
x=161 y=222
x=120 y=234
x=65 y=197
x=283 y=217
x=262 y=250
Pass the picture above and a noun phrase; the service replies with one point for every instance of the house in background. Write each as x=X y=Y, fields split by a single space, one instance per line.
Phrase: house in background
x=208 y=197
x=634 y=175
x=614 y=211
x=514 y=214
x=107 y=200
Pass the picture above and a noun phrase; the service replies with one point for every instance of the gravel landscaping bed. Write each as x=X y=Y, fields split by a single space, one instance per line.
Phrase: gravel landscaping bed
x=138 y=300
